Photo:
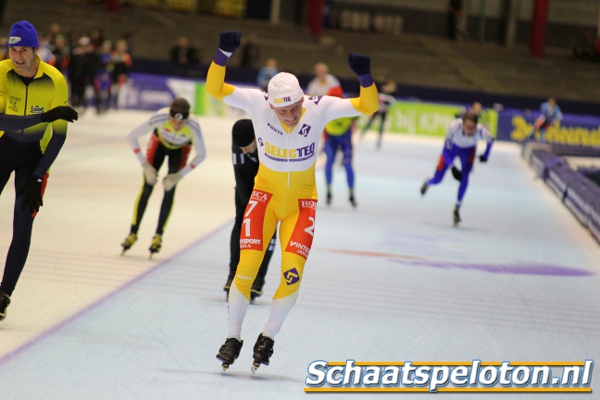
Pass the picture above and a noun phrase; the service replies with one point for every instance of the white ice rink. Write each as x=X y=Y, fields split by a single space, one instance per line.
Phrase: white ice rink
x=391 y=281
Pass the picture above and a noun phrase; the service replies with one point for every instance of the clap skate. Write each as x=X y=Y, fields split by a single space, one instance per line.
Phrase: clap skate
x=456 y=216
x=263 y=350
x=257 y=288
x=128 y=242
x=229 y=351
x=424 y=187
x=155 y=245
x=352 y=201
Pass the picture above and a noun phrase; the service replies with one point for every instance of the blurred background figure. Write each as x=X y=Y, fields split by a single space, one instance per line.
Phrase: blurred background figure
x=322 y=82
x=338 y=137
x=265 y=74
x=250 y=53
x=386 y=99
x=121 y=64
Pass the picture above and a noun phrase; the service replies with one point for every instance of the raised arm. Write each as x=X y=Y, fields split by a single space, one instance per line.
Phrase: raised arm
x=229 y=41
x=368 y=102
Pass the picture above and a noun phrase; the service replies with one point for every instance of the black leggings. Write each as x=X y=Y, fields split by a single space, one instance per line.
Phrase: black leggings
x=156 y=156
x=22 y=158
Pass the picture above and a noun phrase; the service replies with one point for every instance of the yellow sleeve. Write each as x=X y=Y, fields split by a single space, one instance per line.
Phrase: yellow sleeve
x=215 y=82
x=368 y=102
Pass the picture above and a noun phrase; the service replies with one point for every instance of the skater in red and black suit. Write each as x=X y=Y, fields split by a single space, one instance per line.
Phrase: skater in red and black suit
x=174 y=131
x=245 y=168
x=34 y=97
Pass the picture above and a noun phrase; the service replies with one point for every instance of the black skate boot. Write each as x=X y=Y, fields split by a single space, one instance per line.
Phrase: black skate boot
x=229 y=351
x=128 y=242
x=456 y=216
x=257 y=288
x=424 y=187
x=228 y=284
x=263 y=350
x=328 y=198
x=352 y=199
x=4 y=302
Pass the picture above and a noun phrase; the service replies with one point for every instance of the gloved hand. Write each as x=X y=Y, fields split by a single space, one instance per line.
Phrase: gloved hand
x=359 y=63
x=229 y=41
x=60 y=112
x=150 y=174
x=31 y=192
x=456 y=173
x=171 y=180
x=482 y=158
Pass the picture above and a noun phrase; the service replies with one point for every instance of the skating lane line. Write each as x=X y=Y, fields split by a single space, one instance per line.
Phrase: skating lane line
x=17 y=351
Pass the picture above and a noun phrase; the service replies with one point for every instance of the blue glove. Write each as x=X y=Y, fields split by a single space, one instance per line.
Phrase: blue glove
x=230 y=40
x=359 y=63
x=482 y=158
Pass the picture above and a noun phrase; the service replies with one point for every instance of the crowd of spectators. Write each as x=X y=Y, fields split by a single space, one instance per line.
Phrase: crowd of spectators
x=90 y=61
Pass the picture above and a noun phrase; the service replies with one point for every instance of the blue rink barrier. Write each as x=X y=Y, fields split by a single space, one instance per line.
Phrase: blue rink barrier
x=579 y=190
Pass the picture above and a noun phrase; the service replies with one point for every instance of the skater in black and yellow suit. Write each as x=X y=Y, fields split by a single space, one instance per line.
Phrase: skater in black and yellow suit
x=174 y=131
x=29 y=89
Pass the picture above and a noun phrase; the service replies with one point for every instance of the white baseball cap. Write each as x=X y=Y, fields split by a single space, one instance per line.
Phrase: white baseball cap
x=284 y=90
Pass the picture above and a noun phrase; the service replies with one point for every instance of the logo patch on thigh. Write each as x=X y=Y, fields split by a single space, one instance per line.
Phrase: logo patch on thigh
x=291 y=276
x=251 y=236
x=304 y=231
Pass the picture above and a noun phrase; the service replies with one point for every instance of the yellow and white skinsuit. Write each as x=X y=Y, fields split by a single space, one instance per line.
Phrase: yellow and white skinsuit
x=285 y=190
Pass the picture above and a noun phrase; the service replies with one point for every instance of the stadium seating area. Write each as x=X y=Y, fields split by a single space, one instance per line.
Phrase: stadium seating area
x=426 y=67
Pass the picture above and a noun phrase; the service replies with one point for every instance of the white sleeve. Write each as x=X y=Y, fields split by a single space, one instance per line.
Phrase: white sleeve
x=245 y=99
x=138 y=132
x=334 y=107
x=484 y=133
x=198 y=143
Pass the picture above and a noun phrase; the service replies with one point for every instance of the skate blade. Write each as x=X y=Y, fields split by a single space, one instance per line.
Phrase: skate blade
x=224 y=367
x=254 y=367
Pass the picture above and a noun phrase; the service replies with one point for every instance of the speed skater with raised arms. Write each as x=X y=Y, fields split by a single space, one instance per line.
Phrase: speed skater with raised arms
x=461 y=141
x=33 y=117
x=174 y=131
x=288 y=126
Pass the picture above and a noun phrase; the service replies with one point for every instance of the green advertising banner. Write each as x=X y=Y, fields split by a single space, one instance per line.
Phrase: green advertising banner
x=429 y=119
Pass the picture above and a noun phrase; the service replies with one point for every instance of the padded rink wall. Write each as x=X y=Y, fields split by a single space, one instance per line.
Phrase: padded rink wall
x=578 y=189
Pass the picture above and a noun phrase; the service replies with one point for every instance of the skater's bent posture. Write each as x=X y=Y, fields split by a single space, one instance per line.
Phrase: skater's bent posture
x=174 y=131
x=288 y=126
x=34 y=95
x=461 y=142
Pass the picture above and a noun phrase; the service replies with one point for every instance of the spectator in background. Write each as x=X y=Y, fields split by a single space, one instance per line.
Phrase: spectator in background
x=322 y=82
x=250 y=53
x=62 y=54
x=195 y=53
x=586 y=49
x=44 y=52
x=180 y=55
x=454 y=10
x=386 y=99
x=102 y=80
x=82 y=70
x=265 y=74
x=550 y=114
x=128 y=38
x=121 y=63
x=3 y=48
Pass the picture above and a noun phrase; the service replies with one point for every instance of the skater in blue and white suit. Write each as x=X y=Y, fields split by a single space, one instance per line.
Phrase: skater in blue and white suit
x=461 y=141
